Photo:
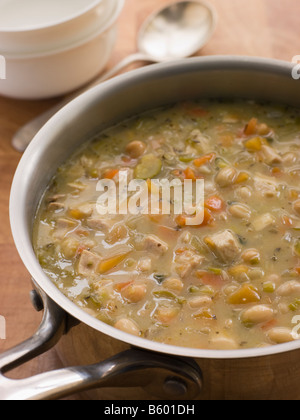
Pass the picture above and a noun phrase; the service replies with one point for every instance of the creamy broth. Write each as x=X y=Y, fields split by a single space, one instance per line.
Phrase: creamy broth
x=231 y=283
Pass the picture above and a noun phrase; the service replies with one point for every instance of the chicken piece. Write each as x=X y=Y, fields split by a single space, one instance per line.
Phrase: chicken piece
x=99 y=223
x=225 y=246
x=264 y=221
x=88 y=263
x=187 y=262
x=82 y=211
x=266 y=187
x=154 y=245
x=64 y=226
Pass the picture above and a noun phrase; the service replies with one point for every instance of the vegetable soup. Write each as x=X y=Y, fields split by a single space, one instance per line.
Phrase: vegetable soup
x=232 y=282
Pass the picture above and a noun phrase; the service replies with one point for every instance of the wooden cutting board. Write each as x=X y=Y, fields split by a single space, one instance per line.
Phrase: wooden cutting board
x=267 y=28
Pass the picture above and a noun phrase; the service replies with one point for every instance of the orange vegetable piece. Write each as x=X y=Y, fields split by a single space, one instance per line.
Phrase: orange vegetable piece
x=246 y=294
x=181 y=220
x=189 y=174
x=251 y=127
x=211 y=279
x=111 y=263
x=110 y=174
x=214 y=203
x=204 y=160
x=208 y=220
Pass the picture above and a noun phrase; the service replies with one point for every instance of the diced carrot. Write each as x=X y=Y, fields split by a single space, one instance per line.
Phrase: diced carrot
x=111 y=263
x=181 y=220
x=110 y=174
x=204 y=160
x=208 y=220
x=246 y=294
x=215 y=203
x=297 y=270
x=251 y=127
x=211 y=279
x=190 y=174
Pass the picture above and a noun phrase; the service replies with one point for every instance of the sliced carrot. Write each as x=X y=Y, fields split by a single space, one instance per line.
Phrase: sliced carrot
x=208 y=218
x=215 y=203
x=207 y=221
x=110 y=174
x=204 y=160
x=211 y=279
x=251 y=127
x=181 y=220
x=189 y=174
x=111 y=263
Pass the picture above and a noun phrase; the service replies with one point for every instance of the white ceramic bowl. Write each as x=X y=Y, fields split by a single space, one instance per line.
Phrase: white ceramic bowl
x=58 y=58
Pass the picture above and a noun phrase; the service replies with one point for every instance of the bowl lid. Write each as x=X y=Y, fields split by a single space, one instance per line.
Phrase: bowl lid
x=71 y=25
x=20 y=15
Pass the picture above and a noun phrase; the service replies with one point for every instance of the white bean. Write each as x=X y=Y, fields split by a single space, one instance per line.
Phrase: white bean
x=289 y=288
x=224 y=343
x=257 y=314
x=200 y=301
x=280 y=335
x=127 y=326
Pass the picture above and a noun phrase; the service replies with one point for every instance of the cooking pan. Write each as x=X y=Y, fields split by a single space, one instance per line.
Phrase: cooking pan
x=116 y=365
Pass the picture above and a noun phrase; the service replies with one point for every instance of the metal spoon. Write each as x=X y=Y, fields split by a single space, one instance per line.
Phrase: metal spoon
x=174 y=32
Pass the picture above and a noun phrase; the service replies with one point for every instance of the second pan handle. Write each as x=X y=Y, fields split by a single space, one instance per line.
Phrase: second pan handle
x=163 y=376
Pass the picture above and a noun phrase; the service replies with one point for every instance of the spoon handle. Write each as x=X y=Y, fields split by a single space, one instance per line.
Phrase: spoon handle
x=24 y=136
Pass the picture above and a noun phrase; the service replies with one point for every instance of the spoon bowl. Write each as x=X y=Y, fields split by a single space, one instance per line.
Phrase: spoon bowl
x=177 y=31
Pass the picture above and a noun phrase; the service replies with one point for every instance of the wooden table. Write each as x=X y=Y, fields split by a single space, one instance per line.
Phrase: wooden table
x=267 y=28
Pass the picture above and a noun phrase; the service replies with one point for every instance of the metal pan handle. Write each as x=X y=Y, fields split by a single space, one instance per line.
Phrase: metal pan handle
x=165 y=377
